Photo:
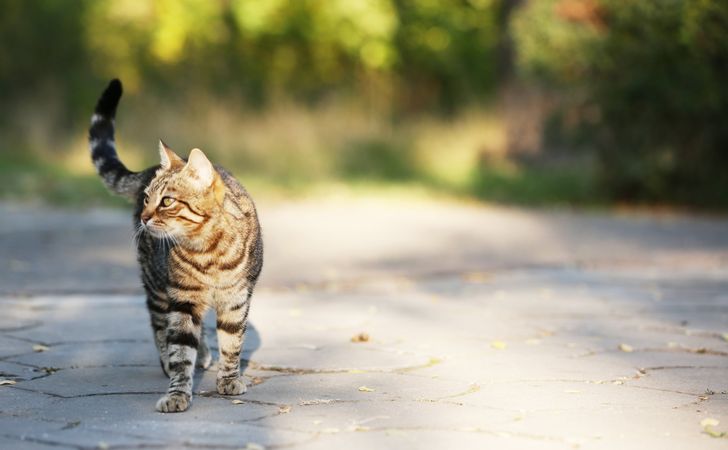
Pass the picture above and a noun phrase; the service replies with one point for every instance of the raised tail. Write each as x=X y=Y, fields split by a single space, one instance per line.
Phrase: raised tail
x=113 y=172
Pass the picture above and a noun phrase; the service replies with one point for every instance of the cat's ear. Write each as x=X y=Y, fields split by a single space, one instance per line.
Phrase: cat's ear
x=200 y=168
x=168 y=158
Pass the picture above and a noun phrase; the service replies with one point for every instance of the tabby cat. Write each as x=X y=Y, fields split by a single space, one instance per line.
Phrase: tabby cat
x=199 y=246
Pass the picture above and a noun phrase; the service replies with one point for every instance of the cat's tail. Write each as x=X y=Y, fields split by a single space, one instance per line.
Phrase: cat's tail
x=113 y=172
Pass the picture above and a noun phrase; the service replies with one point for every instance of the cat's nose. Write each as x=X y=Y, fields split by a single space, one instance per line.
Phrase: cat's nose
x=145 y=218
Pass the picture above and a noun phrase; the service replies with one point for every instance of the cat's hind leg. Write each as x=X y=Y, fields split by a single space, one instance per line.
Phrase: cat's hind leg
x=204 y=357
x=158 y=309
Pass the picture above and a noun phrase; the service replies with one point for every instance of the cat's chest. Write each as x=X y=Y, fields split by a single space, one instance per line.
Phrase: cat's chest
x=206 y=272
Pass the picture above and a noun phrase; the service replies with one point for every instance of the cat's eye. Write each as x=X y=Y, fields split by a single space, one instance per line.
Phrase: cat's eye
x=146 y=200
x=167 y=201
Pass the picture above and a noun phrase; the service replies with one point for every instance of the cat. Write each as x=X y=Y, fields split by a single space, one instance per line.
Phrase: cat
x=199 y=246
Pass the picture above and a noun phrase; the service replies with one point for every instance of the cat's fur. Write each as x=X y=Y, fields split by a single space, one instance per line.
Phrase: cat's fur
x=199 y=246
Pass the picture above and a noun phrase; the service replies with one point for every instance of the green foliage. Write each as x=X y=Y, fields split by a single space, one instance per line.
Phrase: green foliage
x=401 y=54
x=655 y=71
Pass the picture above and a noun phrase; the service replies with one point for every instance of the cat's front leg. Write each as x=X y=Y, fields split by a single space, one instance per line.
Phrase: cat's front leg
x=183 y=339
x=231 y=323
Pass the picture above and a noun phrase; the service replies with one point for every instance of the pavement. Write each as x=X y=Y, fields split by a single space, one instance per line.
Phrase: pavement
x=384 y=324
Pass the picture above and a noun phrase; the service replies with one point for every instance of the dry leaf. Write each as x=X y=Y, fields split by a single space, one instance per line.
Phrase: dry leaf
x=626 y=348
x=361 y=337
x=254 y=446
x=476 y=277
x=498 y=345
x=7 y=382
x=365 y=389
x=285 y=409
x=40 y=348
x=238 y=402
x=724 y=336
x=256 y=380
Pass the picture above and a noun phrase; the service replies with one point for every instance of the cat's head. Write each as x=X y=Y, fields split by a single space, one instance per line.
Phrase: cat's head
x=182 y=196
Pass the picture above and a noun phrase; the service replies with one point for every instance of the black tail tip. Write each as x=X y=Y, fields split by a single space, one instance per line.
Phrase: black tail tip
x=106 y=106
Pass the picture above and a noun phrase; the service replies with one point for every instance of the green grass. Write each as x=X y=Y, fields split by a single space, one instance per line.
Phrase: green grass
x=537 y=186
x=29 y=179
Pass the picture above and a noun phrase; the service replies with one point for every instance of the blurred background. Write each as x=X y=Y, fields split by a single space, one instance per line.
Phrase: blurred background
x=540 y=102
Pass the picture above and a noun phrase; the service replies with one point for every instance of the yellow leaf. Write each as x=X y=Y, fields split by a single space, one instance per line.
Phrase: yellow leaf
x=709 y=422
x=498 y=345
x=40 y=348
x=476 y=277
x=7 y=382
x=238 y=402
x=626 y=348
x=361 y=337
x=365 y=389
x=724 y=336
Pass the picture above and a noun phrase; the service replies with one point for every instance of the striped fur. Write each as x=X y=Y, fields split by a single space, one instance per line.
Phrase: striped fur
x=199 y=247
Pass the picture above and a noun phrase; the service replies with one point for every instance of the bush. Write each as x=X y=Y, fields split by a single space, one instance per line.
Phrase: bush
x=653 y=75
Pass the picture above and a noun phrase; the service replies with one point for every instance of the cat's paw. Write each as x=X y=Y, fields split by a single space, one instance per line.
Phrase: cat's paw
x=231 y=386
x=174 y=403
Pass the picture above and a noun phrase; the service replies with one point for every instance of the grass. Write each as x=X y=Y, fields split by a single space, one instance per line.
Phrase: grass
x=287 y=151
x=29 y=179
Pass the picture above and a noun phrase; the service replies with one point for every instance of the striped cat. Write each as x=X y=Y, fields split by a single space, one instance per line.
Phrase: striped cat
x=199 y=246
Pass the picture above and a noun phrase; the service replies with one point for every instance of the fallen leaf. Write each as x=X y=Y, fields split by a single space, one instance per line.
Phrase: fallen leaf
x=7 y=382
x=724 y=336
x=285 y=409
x=238 y=402
x=40 y=348
x=709 y=422
x=254 y=446
x=256 y=380
x=626 y=348
x=359 y=428
x=476 y=277
x=498 y=345
x=361 y=337
x=365 y=389
x=102 y=445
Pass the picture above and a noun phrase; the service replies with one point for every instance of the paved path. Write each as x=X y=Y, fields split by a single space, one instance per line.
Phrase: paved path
x=487 y=328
